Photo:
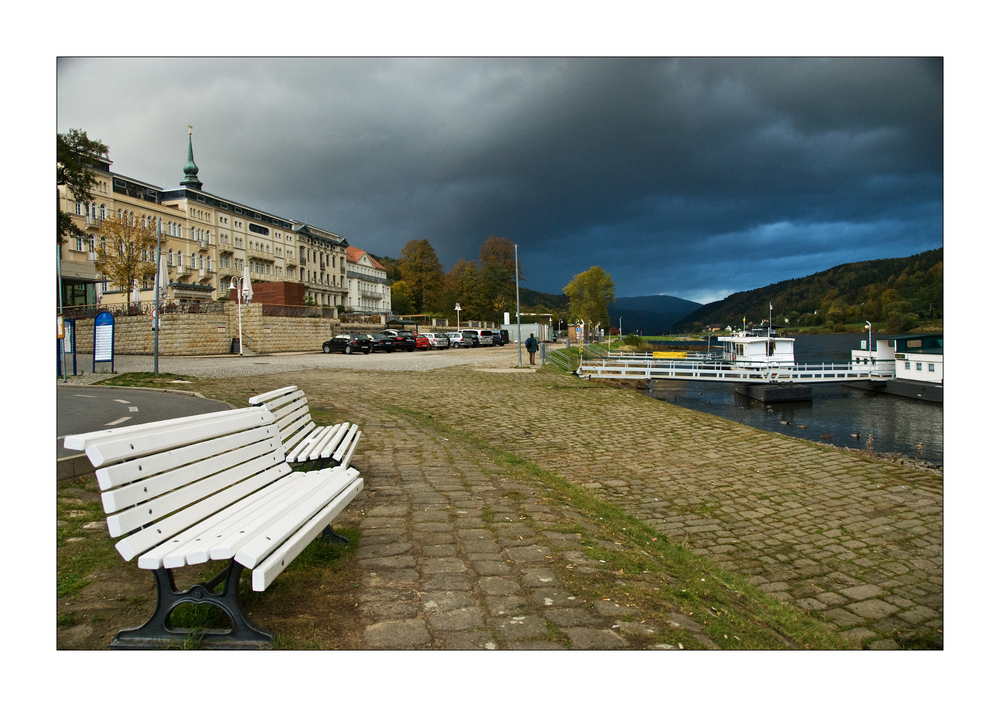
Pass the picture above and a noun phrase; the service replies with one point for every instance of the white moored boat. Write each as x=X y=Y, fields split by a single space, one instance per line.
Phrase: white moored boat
x=758 y=348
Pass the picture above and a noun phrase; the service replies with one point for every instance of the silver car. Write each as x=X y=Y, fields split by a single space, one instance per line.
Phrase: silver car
x=459 y=340
x=438 y=341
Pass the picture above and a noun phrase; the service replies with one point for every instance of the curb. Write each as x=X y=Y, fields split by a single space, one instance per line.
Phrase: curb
x=73 y=467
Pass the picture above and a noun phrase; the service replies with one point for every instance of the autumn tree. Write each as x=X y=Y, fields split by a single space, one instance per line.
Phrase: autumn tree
x=463 y=288
x=589 y=294
x=75 y=154
x=402 y=297
x=496 y=275
x=421 y=270
x=126 y=250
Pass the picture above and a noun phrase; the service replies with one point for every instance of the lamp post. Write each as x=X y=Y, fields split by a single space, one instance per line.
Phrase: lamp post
x=458 y=316
x=868 y=326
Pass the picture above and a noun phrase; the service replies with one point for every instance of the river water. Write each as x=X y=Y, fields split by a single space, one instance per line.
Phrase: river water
x=882 y=423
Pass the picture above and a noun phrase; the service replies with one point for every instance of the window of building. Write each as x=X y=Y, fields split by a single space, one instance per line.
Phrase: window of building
x=906 y=365
x=920 y=366
x=930 y=367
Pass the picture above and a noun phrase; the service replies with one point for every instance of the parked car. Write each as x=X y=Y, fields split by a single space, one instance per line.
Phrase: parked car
x=459 y=340
x=473 y=336
x=438 y=341
x=348 y=343
x=404 y=339
x=485 y=337
x=422 y=343
x=381 y=342
x=504 y=337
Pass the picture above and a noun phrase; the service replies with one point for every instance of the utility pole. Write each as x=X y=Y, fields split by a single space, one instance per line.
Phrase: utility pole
x=517 y=289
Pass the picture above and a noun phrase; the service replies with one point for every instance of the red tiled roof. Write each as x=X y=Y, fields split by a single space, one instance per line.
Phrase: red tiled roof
x=354 y=255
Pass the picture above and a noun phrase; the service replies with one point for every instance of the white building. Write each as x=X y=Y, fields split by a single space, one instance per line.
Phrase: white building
x=368 y=288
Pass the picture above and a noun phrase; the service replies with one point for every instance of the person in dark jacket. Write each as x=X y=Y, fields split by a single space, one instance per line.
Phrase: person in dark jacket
x=532 y=345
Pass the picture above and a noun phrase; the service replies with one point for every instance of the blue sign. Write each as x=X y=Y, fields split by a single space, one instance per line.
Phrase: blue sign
x=104 y=340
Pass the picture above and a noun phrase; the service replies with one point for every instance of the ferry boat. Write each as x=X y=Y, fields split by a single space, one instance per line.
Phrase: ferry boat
x=917 y=362
x=758 y=348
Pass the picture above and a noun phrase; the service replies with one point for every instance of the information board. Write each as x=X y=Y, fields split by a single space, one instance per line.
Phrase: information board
x=104 y=339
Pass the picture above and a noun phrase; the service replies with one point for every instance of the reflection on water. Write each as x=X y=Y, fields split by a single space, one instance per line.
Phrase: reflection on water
x=838 y=415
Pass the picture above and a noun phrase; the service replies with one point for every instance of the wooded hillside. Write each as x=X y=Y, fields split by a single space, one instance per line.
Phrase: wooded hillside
x=895 y=294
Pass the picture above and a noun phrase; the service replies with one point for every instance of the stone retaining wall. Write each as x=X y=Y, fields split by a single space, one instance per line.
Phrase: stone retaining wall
x=209 y=334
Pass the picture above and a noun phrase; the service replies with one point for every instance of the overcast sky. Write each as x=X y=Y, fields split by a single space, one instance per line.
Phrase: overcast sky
x=689 y=177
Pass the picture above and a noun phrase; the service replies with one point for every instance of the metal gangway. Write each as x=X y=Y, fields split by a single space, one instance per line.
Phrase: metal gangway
x=723 y=371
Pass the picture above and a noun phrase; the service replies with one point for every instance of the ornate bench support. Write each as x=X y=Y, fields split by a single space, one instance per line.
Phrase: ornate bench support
x=158 y=632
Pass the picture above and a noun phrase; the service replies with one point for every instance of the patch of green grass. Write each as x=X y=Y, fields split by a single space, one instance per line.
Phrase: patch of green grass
x=80 y=552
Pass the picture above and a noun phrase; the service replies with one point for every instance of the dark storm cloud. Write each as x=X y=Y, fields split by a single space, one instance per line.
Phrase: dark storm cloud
x=691 y=177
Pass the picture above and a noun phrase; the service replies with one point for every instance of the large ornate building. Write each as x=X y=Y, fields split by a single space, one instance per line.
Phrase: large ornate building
x=206 y=239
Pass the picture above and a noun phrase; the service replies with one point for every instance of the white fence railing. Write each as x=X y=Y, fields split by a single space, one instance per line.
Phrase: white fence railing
x=680 y=369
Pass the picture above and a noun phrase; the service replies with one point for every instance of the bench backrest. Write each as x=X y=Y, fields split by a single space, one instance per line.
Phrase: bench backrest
x=162 y=477
x=291 y=408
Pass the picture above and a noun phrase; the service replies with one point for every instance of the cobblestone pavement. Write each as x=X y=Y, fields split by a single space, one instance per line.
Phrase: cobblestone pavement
x=242 y=366
x=453 y=561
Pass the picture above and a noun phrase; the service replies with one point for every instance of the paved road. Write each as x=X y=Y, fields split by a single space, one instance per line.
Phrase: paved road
x=88 y=408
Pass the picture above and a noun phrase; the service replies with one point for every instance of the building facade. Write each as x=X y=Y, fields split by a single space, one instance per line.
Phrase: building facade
x=368 y=288
x=206 y=241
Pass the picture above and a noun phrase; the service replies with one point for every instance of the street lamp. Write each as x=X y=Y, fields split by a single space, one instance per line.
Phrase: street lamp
x=458 y=316
x=243 y=294
x=868 y=326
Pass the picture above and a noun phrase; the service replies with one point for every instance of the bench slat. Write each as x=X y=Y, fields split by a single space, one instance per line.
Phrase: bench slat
x=271 y=567
x=142 y=540
x=130 y=446
x=334 y=442
x=270 y=395
x=273 y=535
x=319 y=440
x=154 y=558
x=236 y=528
x=302 y=434
x=342 y=449
x=346 y=461
x=201 y=466
x=293 y=416
x=316 y=488
x=133 y=470
x=86 y=439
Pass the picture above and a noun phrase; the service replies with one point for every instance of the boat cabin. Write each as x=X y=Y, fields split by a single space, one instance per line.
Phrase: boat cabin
x=918 y=358
x=758 y=348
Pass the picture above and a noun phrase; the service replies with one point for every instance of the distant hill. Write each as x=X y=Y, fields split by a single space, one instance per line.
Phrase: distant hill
x=534 y=301
x=895 y=294
x=651 y=315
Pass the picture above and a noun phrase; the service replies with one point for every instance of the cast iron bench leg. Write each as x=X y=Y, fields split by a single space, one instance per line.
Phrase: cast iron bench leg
x=158 y=632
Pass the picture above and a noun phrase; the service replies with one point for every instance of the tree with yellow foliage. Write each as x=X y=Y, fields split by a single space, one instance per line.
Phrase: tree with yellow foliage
x=126 y=250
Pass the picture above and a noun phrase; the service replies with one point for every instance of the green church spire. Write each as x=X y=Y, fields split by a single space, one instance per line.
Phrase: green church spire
x=191 y=169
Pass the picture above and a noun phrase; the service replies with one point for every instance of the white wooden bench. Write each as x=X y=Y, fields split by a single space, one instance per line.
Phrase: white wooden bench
x=303 y=439
x=210 y=487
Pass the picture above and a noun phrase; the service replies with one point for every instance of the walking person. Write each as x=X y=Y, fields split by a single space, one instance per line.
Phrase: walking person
x=531 y=344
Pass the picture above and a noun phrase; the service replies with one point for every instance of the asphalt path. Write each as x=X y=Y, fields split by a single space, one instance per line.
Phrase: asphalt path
x=89 y=408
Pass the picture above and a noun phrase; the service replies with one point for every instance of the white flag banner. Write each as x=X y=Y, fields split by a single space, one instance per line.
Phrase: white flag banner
x=247 y=287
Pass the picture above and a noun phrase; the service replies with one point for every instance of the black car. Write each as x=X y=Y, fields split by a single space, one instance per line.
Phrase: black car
x=348 y=343
x=504 y=337
x=404 y=339
x=381 y=342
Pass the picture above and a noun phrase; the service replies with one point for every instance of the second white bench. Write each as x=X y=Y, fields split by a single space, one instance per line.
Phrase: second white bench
x=304 y=440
